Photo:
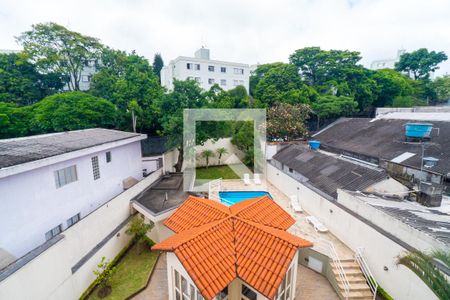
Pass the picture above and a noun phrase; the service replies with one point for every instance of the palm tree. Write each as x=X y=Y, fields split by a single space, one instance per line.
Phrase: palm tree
x=425 y=267
x=207 y=154
x=220 y=152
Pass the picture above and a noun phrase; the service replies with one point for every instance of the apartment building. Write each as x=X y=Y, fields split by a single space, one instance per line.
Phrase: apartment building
x=206 y=71
x=50 y=182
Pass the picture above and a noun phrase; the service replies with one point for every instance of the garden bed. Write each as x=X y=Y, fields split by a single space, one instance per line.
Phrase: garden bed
x=132 y=274
x=216 y=172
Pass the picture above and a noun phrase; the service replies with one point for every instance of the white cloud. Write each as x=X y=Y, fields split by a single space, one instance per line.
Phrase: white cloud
x=245 y=31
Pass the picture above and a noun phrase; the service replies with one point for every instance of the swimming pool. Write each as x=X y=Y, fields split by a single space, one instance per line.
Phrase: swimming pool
x=230 y=198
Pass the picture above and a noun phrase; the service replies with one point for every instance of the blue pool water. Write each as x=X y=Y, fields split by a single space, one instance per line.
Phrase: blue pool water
x=230 y=198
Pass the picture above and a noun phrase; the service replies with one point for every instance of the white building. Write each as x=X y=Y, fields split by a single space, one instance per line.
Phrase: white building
x=86 y=76
x=205 y=71
x=388 y=63
x=49 y=182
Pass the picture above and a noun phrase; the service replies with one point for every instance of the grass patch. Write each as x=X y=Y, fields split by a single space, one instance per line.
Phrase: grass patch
x=131 y=275
x=215 y=172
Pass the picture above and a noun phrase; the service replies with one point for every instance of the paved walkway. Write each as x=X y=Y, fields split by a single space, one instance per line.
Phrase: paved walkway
x=157 y=288
x=312 y=285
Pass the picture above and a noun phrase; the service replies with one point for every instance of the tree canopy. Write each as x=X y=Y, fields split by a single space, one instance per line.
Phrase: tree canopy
x=158 y=64
x=420 y=63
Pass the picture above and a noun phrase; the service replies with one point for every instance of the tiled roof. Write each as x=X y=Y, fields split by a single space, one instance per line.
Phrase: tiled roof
x=216 y=243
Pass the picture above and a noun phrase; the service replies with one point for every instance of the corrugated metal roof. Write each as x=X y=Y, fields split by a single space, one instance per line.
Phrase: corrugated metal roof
x=22 y=150
x=326 y=172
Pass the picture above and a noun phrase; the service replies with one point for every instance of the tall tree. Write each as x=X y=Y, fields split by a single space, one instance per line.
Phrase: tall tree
x=329 y=106
x=420 y=63
x=287 y=122
x=55 y=49
x=391 y=84
x=22 y=84
x=158 y=64
x=442 y=88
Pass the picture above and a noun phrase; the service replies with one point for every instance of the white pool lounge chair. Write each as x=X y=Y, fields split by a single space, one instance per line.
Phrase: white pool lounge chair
x=318 y=226
x=257 y=178
x=295 y=204
x=247 y=179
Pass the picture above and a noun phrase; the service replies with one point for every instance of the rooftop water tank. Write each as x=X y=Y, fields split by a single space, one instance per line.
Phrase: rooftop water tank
x=418 y=130
x=314 y=144
x=429 y=161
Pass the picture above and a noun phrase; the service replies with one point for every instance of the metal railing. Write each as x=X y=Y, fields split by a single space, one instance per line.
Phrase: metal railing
x=331 y=251
x=359 y=258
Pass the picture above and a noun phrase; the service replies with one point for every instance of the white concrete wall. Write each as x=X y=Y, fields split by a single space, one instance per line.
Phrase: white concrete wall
x=49 y=276
x=150 y=164
x=32 y=205
x=380 y=251
x=177 y=69
x=233 y=156
x=170 y=159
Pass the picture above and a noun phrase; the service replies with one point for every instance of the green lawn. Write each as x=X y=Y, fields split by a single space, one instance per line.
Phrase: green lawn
x=131 y=275
x=224 y=172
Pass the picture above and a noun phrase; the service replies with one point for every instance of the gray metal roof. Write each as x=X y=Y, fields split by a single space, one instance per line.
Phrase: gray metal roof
x=22 y=150
x=325 y=172
x=385 y=139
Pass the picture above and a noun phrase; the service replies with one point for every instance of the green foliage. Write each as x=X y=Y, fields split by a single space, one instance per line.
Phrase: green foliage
x=243 y=139
x=407 y=101
x=22 y=84
x=333 y=106
x=138 y=229
x=55 y=49
x=207 y=154
x=158 y=64
x=234 y=98
x=441 y=86
x=104 y=272
x=215 y=172
x=71 y=111
x=423 y=266
x=420 y=63
x=287 y=122
x=14 y=121
x=123 y=78
x=220 y=152
x=390 y=85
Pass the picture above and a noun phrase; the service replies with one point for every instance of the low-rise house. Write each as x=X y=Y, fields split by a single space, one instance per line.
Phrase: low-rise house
x=50 y=182
x=237 y=252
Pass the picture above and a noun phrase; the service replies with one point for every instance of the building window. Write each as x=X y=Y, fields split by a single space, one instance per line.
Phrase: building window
x=291 y=170
x=238 y=71
x=210 y=80
x=189 y=66
x=73 y=220
x=108 y=156
x=65 y=176
x=223 y=69
x=183 y=289
x=190 y=78
x=235 y=82
x=223 y=82
x=95 y=167
x=85 y=78
x=284 y=290
x=197 y=67
x=198 y=79
x=223 y=295
x=247 y=293
x=53 y=232
x=211 y=68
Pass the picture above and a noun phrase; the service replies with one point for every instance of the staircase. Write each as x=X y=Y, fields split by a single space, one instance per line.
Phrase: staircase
x=357 y=284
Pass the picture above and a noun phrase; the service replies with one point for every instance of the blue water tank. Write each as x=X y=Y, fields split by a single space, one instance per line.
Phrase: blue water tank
x=314 y=144
x=418 y=130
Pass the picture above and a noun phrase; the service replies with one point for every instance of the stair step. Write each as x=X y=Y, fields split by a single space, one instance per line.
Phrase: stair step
x=356 y=286
x=347 y=265
x=360 y=295
x=348 y=272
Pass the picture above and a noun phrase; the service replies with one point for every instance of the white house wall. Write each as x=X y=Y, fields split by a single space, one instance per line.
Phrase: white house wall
x=234 y=155
x=380 y=251
x=49 y=275
x=32 y=205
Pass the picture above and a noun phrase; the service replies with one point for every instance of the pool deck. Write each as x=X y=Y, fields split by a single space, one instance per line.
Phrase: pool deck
x=301 y=227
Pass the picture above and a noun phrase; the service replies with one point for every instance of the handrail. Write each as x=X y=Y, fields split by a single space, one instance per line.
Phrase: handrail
x=337 y=262
x=366 y=271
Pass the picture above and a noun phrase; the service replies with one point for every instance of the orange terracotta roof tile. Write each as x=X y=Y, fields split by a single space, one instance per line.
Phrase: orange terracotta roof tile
x=216 y=243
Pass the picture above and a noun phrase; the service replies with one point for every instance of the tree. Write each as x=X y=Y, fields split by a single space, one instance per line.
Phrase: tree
x=138 y=229
x=22 y=84
x=234 y=98
x=220 y=152
x=281 y=83
x=243 y=139
x=135 y=111
x=104 y=272
x=328 y=106
x=319 y=66
x=123 y=78
x=71 y=111
x=442 y=88
x=14 y=121
x=55 y=49
x=420 y=63
x=425 y=268
x=207 y=154
x=286 y=122
x=158 y=64
x=390 y=85
x=407 y=101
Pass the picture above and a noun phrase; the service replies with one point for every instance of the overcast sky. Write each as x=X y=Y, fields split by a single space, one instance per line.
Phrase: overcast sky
x=245 y=31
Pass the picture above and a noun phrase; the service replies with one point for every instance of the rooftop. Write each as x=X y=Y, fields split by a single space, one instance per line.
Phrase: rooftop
x=22 y=150
x=216 y=243
x=385 y=139
x=154 y=198
x=327 y=173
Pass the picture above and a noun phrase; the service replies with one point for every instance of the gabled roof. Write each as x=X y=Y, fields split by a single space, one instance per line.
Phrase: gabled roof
x=385 y=139
x=216 y=243
x=327 y=173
